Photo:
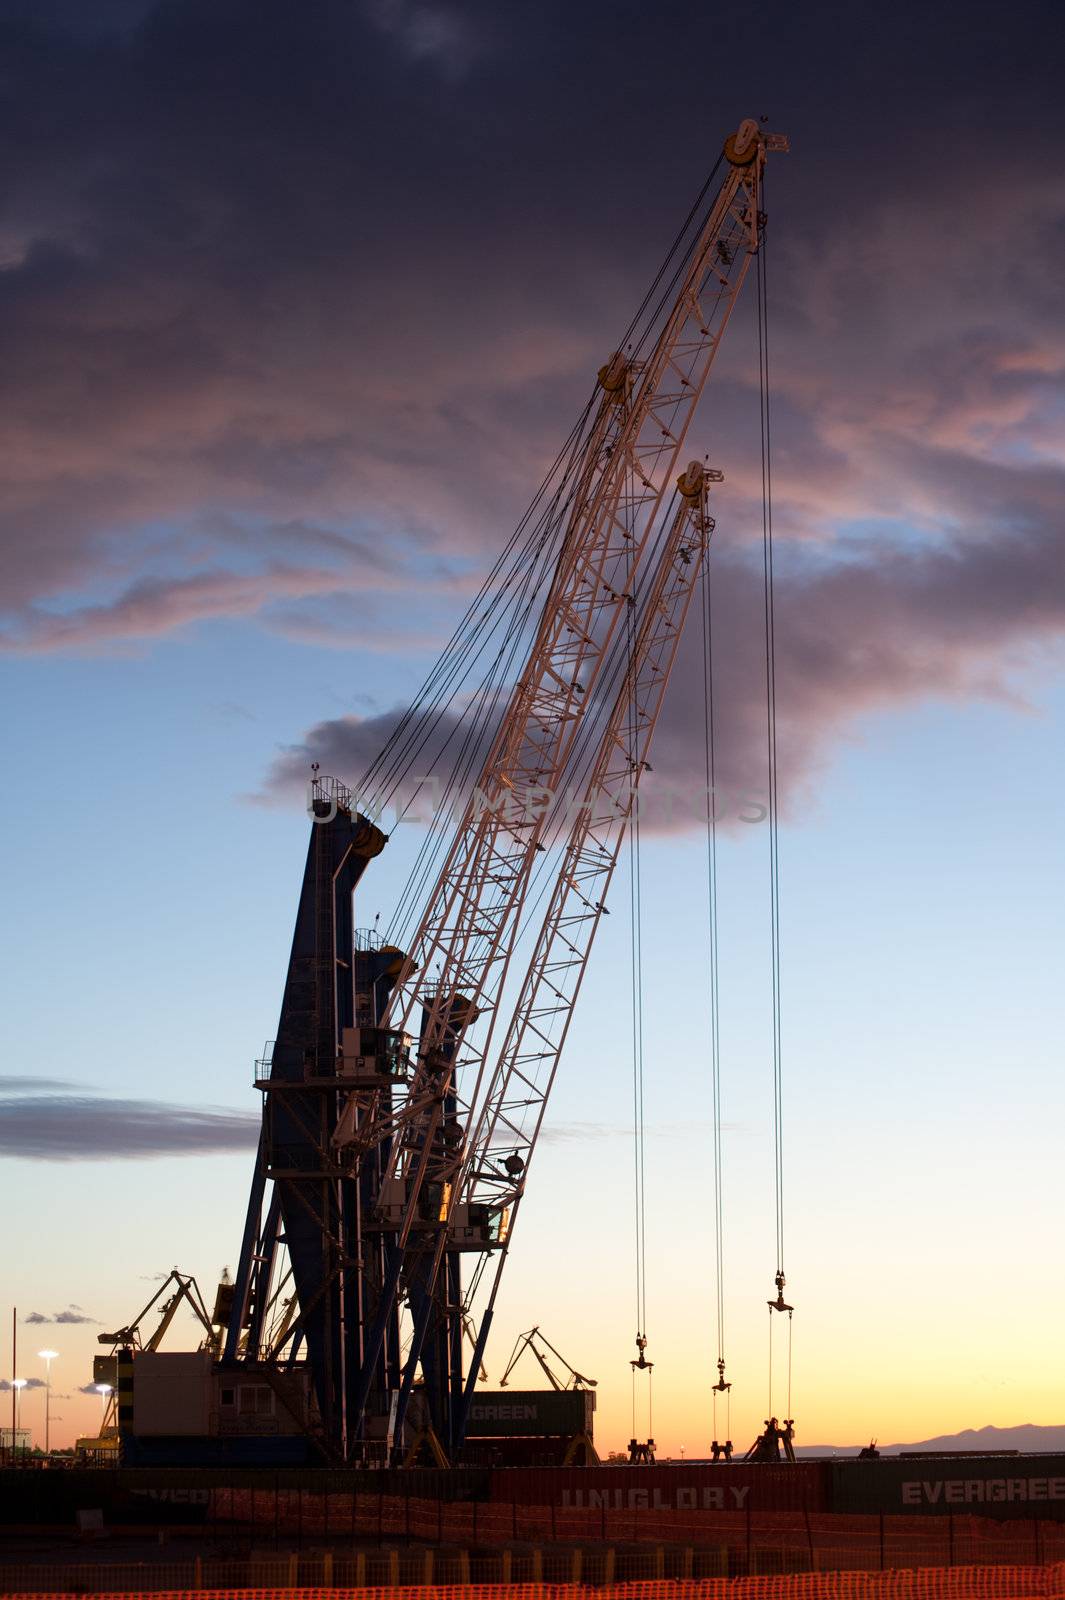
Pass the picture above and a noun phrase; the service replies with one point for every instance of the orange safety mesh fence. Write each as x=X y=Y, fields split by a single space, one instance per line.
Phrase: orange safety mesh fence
x=957 y=1583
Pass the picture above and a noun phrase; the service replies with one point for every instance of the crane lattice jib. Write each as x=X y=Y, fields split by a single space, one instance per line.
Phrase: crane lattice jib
x=483 y=1200
x=513 y=1107
x=461 y=952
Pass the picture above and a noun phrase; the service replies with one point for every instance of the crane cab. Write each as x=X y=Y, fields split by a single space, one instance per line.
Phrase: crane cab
x=369 y=1057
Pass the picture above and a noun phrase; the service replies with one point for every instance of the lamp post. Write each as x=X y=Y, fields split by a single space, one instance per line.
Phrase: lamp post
x=104 y=1390
x=47 y=1356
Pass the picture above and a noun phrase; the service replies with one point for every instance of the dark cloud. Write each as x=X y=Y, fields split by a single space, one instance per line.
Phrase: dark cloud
x=72 y=1316
x=20 y=1085
x=957 y=617
x=30 y=1383
x=81 y=1128
x=296 y=302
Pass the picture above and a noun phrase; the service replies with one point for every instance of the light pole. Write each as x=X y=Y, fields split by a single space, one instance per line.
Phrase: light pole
x=47 y=1356
x=104 y=1390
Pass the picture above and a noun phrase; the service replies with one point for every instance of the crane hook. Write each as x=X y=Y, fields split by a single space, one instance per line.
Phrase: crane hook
x=779 y=1304
x=641 y=1363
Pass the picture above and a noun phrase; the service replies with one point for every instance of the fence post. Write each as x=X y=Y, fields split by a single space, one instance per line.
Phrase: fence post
x=393 y=1568
x=660 y=1562
x=552 y=1519
x=810 y=1537
x=538 y=1565
x=406 y=1512
x=197 y=1572
x=475 y=1522
x=514 y=1519
x=464 y=1566
x=608 y=1566
x=748 y=1537
x=427 y=1566
x=504 y=1576
x=327 y=1570
x=881 y=1540
x=293 y=1570
x=950 y=1539
x=576 y=1562
x=360 y=1569
x=688 y=1562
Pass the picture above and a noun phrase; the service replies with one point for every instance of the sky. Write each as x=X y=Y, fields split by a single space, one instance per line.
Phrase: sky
x=296 y=306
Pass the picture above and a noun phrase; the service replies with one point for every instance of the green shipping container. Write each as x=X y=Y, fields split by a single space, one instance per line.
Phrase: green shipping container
x=530 y=1413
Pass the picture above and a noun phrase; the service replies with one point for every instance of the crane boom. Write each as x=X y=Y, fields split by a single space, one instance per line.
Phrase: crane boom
x=484 y=1199
x=461 y=951
x=442 y=1191
x=451 y=1099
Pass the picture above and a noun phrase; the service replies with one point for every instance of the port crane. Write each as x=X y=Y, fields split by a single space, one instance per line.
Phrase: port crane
x=186 y=1292
x=538 y=1343
x=406 y=1089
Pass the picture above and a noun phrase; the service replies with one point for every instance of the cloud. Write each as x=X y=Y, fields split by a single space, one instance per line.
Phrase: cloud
x=30 y=1383
x=18 y=1085
x=859 y=630
x=585 y=1132
x=69 y=1127
x=438 y=35
x=73 y=1315
x=261 y=364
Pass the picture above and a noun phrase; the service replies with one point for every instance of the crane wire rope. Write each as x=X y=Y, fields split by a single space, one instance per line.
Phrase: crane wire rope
x=773 y=795
x=423 y=711
x=636 y=913
x=715 y=1011
x=423 y=715
x=479 y=716
x=584 y=746
x=636 y=934
x=445 y=683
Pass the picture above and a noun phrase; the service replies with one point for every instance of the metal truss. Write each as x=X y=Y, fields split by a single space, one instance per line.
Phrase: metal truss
x=455 y=1107
x=499 y=1151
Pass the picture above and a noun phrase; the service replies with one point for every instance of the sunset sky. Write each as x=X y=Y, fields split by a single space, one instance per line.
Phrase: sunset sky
x=297 y=302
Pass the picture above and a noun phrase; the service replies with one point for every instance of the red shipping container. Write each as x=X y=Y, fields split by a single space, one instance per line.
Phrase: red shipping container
x=674 y=1486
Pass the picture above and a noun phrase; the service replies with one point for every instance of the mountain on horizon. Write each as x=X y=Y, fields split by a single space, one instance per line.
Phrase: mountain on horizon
x=1028 y=1437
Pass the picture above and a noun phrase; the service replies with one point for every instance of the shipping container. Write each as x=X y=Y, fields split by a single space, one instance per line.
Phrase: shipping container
x=172 y=1393
x=530 y=1413
x=988 y=1486
x=667 y=1486
x=534 y=1452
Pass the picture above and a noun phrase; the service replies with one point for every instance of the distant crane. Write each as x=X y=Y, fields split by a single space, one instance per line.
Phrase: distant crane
x=186 y=1291
x=533 y=1341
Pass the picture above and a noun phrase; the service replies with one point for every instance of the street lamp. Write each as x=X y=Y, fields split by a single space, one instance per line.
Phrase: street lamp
x=47 y=1356
x=104 y=1390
